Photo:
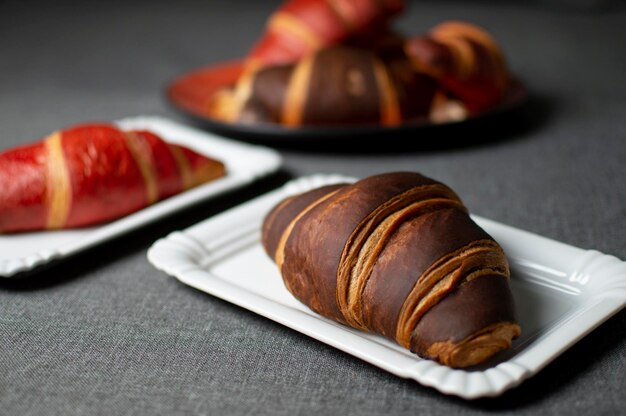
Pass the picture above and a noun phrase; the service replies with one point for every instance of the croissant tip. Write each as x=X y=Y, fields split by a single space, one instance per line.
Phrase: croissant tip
x=476 y=349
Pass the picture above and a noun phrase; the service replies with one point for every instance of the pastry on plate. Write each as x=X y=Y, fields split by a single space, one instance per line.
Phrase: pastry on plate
x=340 y=62
x=398 y=255
x=93 y=173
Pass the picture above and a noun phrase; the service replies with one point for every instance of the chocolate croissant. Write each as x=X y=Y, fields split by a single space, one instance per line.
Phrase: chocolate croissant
x=336 y=85
x=93 y=173
x=300 y=27
x=398 y=255
x=467 y=62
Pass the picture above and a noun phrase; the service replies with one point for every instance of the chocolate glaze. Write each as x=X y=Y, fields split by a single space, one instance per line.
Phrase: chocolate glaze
x=432 y=231
x=473 y=306
x=415 y=91
x=343 y=88
x=268 y=94
x=430 y=55
x=281 y=215
x=316 y=243
x=486 y=64
x=415 y=247
x=255 y=111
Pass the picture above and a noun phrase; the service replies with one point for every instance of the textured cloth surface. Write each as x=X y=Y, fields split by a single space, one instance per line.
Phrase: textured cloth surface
x=105 y=333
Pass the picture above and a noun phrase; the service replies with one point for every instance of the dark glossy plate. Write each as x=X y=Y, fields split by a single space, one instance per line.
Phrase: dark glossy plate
x=192 y=93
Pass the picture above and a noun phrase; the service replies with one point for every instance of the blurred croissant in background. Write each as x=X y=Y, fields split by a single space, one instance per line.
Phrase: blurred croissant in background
x=331 y=62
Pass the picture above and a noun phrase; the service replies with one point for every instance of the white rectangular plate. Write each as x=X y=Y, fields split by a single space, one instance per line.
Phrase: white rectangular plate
x=244 y=163
x=561 y=293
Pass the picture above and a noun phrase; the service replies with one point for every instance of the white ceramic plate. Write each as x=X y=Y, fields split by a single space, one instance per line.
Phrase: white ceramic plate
x=244 y=163
x=561 y=292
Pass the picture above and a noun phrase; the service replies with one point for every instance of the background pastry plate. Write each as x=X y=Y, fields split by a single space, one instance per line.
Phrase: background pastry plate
x=191 y=93
x=561 y=292
x=244 y=163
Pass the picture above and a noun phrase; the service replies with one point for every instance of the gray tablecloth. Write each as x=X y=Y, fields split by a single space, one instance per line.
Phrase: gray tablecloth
x=105 y=333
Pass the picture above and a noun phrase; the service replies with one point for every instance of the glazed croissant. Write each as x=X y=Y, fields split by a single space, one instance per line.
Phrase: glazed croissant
x=397 y=254
x=466 y=61
x=335 y=85
x=93 y=173
x=299 y=27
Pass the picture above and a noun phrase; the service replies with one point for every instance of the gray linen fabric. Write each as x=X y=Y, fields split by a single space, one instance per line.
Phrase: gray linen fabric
x=105 y=333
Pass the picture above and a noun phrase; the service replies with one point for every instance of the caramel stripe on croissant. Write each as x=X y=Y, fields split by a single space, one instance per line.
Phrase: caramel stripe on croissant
x=369 y=238
x=240 y=95
x=142 y=155
x=186 y=175
x=58 y=188
x=390 y=113
x=297 y=92
x=436 y=283
x=451 y=32
x=381 y=254
x=285 y=22
x=448 y=333
x=471 y=46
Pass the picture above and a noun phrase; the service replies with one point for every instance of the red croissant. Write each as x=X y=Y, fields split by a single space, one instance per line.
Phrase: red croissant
x=466 y=60
x=93 y=173
x=299 y=27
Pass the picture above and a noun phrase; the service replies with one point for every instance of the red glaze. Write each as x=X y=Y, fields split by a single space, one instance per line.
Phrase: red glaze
x=276 y=48
x=318 y=16
x=22 y=188
x=110 y=173
x=164 y=163
x=106 y=181
x=479 y=94
x=197 y=162
x=195 y=92
x=330 y=21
